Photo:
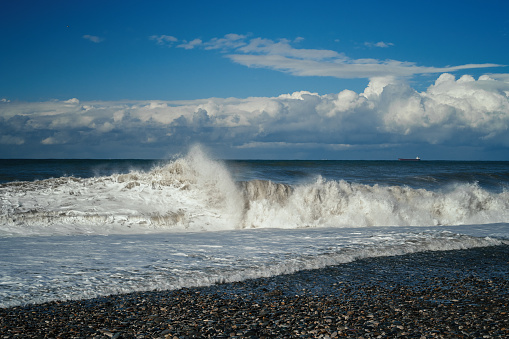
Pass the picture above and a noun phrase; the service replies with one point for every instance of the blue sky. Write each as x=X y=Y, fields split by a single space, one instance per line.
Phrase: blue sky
x=255 y=79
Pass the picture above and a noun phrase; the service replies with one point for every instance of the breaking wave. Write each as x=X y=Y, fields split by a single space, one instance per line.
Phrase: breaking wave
x=196 y=193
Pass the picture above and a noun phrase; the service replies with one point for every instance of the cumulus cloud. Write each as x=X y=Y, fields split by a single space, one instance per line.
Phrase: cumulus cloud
x=282 y=56
x=463 y=112
x=93 y=38
x=73 y=101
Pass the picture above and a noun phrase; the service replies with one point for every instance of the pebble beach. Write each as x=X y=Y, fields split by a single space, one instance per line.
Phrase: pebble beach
x=445 y=294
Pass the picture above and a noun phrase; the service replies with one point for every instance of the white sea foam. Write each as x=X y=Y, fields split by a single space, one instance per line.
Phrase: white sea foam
x=343 y=204
x=192 y=192
x=195 y=193
x=213 y=229
x=39 y=269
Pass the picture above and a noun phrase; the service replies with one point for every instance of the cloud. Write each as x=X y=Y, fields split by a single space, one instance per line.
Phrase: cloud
x=464 y=112
x=11 y=140
x=380 y=44
x=93 y=38
x=267 y=47
x=341 y=67
x=282 y=56
x=191 y=44
x=73 y=101
x=229 y=42
x=163 y=39
x=51 y=141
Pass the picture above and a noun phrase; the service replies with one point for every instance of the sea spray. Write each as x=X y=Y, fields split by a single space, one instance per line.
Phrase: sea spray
x=195 y=193
x=221 y=221
x=191 y=192
x=326 y=203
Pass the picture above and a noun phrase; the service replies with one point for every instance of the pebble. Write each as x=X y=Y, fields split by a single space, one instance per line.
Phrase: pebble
x=451 y=294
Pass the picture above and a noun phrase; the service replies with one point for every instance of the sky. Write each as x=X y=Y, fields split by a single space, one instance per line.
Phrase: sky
x=367 y=80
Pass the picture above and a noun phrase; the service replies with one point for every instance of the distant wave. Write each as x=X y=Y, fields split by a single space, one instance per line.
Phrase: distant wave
x=196 y=193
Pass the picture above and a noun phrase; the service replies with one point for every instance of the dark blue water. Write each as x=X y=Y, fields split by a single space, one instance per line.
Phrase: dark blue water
x=493 y=176
x=35 y=169
x=431 y=175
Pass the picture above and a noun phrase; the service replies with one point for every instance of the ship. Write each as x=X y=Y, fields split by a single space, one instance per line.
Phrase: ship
x=410 y=159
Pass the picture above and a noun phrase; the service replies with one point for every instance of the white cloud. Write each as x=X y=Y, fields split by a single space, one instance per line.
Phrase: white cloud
x=58 y=138
x=452 y=112
x=267 y=47
x=285 y=145
x=72 y=101
x=283 y=57
x=230 y=41
x=48 y=141
x=380 y=44
x=93 y=38
x=297 y=95
x=342 y=67
x=163 y=39
x=191 y=44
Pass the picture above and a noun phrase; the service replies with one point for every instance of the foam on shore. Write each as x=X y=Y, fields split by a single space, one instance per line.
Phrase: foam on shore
x=429 y=294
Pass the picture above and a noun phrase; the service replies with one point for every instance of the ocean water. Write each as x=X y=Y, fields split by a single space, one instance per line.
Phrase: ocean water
x=72 y=229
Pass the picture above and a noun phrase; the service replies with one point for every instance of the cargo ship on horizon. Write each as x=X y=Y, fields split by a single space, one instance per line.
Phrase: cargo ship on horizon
x=410 y=159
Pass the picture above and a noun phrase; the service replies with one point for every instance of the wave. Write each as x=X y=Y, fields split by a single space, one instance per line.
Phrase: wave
x=165 y=261
x=196 y=193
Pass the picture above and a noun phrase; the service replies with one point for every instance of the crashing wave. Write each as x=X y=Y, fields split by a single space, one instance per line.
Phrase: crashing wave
x=199 y=194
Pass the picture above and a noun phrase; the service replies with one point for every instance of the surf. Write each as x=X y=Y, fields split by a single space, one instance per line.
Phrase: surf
x=196 y=193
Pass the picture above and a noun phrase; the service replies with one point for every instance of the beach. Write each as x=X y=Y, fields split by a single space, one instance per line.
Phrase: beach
x=441 y=294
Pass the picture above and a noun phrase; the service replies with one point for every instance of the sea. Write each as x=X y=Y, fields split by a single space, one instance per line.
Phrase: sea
x=76 y=229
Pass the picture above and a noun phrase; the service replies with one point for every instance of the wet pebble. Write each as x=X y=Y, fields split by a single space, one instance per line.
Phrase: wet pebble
x=424 y=295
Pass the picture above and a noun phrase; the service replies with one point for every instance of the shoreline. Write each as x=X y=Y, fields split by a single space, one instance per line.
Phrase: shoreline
x=443 y=294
